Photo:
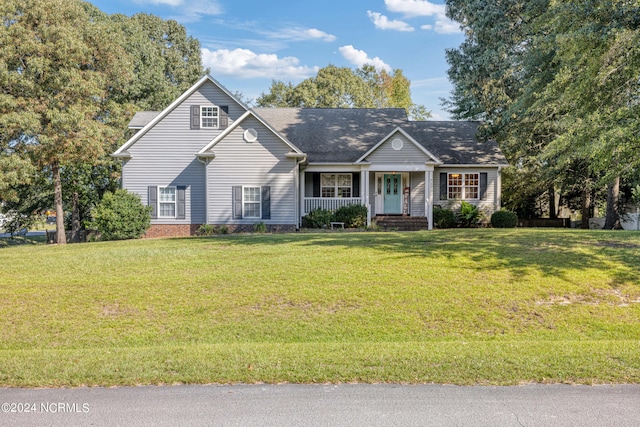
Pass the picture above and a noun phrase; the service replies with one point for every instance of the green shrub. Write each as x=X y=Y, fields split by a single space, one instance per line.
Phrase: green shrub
x=206 y=230
x=121 y=215
x=468 y=214
x=504 y=219
x=260 y=227
x=318 y=218
x=353 y=216
x=443 y=218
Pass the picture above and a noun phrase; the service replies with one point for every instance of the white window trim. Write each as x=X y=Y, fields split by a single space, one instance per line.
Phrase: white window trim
x=336 y=186
x=244 y=202
x=216 y=118
x=463 y=195
x=175 y=201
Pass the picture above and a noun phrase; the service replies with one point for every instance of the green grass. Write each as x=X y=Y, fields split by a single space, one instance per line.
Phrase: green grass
x=453 y=306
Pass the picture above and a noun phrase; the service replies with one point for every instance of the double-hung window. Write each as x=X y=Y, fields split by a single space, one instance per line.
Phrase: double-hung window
x=463 y=186
x=167 y=202
x=251 y=202
x=336 y=185
x=471 y=186
x=209 y=117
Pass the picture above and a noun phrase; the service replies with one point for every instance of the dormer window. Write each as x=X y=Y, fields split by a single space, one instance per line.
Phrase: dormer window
x=209 y=117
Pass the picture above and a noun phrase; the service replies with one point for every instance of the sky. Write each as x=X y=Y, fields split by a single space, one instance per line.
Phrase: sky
x=248 y=43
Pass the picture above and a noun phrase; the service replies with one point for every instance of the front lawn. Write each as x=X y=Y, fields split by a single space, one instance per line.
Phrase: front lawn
x=452 y=306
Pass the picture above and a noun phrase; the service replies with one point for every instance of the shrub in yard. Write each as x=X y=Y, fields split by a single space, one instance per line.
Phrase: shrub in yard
x=121 y=215
x=468 y=215
x=504 y=219
x=318 y=218
x=443 y=218
x=353 y=216
x=206 y=230
x=260 y=227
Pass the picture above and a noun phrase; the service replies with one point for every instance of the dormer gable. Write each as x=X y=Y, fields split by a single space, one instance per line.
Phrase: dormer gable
x=205 y=114
x=399 y=146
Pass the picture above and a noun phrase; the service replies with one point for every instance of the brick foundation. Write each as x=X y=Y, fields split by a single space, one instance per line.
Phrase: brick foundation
x=249 y=228
x=171 y=230
x=185 y=230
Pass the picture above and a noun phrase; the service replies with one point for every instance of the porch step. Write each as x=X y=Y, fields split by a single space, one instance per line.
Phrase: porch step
x=402 y=223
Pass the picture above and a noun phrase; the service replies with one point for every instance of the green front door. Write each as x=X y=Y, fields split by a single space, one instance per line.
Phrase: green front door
x=392 y=193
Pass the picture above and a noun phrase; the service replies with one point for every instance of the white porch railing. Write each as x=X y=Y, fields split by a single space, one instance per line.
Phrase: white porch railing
x=328 y=203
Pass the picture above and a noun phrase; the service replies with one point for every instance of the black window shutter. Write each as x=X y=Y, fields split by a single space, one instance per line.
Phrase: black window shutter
x=483 y=186
x=316 y=184
x=237 y=202
x=153 y=201
x=266 y=202
x=195 y=117
x=181 y=202
x=355 y=182
x=443 y=186
x=224 y=116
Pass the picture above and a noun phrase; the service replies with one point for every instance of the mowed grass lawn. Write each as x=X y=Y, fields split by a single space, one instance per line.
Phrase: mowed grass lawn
x=476 y=306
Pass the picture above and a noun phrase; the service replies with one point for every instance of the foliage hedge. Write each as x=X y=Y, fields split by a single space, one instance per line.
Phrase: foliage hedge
x=121 y=215
x=444 y=218
x=504 y=219
x=468 y=215
x=353 y=216
x=317 y=218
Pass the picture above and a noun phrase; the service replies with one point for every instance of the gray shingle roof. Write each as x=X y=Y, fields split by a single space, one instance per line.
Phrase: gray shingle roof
x=344 y=135
x=141 y=118
x=455 y=142
x=334 y=135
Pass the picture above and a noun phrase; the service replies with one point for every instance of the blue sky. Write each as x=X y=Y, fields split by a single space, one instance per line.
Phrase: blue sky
x=248 y=43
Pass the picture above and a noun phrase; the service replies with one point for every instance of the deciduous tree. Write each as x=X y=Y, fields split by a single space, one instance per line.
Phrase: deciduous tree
x=58 y=69
x=342 y=87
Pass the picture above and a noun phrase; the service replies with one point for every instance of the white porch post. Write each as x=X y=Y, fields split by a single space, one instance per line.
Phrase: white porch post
x=499 y=189
x=302 y=190
x=364 y=189
x=428 y=197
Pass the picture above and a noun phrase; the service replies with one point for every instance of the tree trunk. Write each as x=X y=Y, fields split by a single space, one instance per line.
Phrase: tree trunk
x=61 y=237
x=75 y=220
x=586 y=207
x=612 y=220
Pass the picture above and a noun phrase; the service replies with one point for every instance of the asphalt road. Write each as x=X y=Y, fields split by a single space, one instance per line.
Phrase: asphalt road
x=324 y=405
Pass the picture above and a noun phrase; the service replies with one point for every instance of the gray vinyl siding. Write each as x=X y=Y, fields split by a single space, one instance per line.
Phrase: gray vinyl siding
x=417 y=194
x=165 y=154
x=409 y=153
x=488 y=206
x=255 y=164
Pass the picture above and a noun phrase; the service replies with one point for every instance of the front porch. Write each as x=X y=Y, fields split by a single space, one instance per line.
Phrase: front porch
x=399 y=190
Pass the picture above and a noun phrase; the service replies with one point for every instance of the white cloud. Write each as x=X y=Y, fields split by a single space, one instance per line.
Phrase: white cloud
x=301 y=34
x=189 y=10
x=360 y=58
x=443 y=26
x=430 y=82
x=244 y=63
x=415 y=7
x=173 y=3
x=420 y=8
x=383 y=23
